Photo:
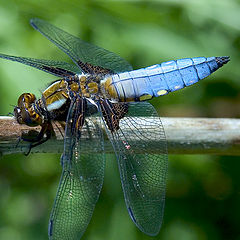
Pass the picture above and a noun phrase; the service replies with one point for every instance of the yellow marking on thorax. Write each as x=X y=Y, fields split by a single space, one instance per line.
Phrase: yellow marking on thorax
x=55 y=92
x=93 y=87
x=82 y=81
x=74 y=87
x=54 y=87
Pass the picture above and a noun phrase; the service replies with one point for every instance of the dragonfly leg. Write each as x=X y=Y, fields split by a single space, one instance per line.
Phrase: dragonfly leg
x=37 y=138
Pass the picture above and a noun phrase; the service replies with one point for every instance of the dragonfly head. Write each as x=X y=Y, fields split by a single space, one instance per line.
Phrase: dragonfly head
x=25 y=112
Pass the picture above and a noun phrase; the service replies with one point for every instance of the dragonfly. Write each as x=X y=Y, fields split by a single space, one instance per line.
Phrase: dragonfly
x=100 y=90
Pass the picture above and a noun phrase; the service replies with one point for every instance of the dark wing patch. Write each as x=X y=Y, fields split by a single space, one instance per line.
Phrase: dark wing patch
x=57 y=68
x=112 y=113
x=58 y=71
x=89 y=68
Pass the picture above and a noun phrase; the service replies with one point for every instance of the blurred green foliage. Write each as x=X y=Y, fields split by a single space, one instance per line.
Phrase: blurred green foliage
x=202 y=200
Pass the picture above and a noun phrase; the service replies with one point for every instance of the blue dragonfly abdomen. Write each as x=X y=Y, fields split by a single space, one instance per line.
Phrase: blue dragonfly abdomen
x=160 y=79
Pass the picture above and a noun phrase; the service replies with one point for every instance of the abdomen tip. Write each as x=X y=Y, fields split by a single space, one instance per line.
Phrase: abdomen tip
x=222 y=60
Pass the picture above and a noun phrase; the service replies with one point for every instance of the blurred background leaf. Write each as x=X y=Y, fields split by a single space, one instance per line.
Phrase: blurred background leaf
x=203 y=192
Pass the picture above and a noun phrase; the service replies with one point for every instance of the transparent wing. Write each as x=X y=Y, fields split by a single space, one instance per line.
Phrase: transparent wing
x=57 y=68
x=82 y=175
x=141 y=150
x=80 y=51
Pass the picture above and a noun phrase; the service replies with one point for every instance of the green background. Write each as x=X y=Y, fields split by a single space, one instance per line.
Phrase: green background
x=203 y=192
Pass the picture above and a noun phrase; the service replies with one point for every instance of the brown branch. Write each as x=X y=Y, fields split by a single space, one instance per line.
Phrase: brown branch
x=184 y=136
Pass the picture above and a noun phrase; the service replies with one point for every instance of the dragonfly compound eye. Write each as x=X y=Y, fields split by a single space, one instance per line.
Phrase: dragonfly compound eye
x=26 y=100
x=25 y=112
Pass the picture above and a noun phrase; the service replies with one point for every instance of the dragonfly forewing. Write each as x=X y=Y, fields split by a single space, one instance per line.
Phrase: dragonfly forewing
x=79 y=50
x=82 y=174
x=57 y=68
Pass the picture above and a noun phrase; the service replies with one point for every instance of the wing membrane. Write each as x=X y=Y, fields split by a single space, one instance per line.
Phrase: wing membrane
x=79 y=50
x=143 y=174
x=82 y=175
x=57 y=68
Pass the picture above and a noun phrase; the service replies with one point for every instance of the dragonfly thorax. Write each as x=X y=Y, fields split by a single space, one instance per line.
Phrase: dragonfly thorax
x=87 y=85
